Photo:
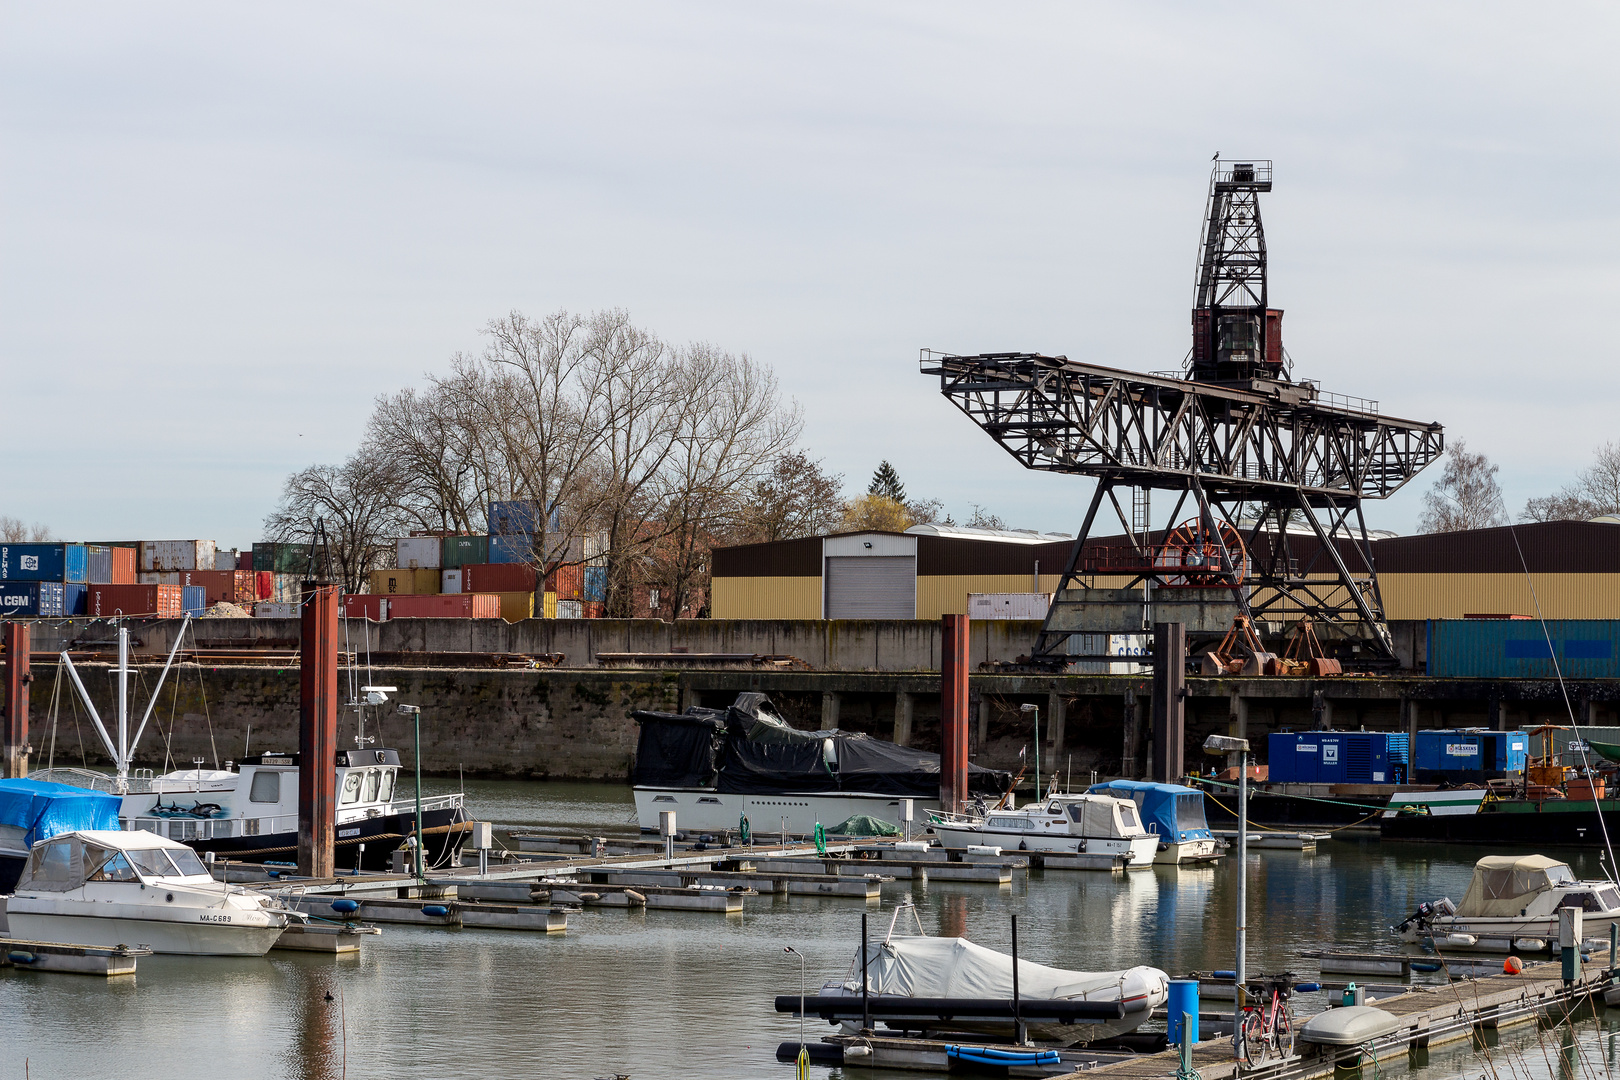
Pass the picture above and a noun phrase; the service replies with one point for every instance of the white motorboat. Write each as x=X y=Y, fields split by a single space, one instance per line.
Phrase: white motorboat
x=918 y=966
x=97 y=887
x=1512 y=905
x=1088 y=824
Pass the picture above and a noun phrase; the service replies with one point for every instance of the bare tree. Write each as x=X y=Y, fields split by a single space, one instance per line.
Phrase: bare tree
x=1466 y=496
x=1596 y=491
x=878 y=514
x=795 y=497
x=16 y=531
x=357 y=503
x=984 y=519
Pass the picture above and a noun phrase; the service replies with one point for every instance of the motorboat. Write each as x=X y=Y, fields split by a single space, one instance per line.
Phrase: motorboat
x=716 y=768
x=106 y=888
x=1087 y=824
x=31 y=811
x=1175 y=814
x=919 y=966
x=1512 y=905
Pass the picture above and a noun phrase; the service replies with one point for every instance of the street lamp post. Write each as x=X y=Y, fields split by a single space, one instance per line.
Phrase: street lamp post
x=1036 y=709
x=1220 y=745
x=415 y=713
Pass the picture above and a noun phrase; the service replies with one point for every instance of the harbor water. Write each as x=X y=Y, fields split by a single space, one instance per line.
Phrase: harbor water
x=679 y=994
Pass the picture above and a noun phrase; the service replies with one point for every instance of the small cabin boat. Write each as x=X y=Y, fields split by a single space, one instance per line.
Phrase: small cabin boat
x=1090 y=824
x=1512 y=905
x=1173 y=813
x=35 y=810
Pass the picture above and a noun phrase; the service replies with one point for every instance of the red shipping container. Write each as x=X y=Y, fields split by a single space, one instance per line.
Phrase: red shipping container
x=567 y=581
x=498 y=577
x=230 y=586
x=244 y=559
x=106 y=601
x=366 y=606
x=445 y=606
x=264 y=584
x=123 y=565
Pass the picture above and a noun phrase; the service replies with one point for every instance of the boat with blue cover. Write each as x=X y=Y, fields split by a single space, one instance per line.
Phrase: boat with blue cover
x=1174 y=813
x=35 y=810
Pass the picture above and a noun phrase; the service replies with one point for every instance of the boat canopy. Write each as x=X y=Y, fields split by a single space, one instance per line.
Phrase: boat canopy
x=942 y=967
x=66 y=862
x=1504 y=885
x=1173 y=811
x=35 y=810
x=749 y=749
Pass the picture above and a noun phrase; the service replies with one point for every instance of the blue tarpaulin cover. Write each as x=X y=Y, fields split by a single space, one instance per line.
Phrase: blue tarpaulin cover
x=47 y=810
x=1177 y=811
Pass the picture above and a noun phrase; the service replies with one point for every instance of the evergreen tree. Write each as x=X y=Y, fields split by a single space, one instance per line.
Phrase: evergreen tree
x=886 y=484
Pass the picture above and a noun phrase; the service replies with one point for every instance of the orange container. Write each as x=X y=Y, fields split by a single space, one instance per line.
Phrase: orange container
x=445 y=606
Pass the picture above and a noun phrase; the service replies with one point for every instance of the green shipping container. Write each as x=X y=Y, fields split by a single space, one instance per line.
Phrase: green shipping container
x=459 y=551
x=284 y=558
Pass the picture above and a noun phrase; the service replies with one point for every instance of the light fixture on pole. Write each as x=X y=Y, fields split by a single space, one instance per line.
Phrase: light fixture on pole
x=1220 y=745
x=803 y=1060
x=415 y=713
x=1036 y=709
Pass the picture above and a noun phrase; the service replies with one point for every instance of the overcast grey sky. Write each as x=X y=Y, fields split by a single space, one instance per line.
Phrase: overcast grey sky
x=225 y=228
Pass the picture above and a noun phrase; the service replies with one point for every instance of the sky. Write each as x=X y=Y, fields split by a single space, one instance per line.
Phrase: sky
x=225 y=229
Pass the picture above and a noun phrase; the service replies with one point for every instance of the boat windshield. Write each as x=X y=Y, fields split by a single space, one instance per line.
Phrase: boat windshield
x=116 y=868
x=168 y=862
x=370 y=794
x=1190 y=811
x=1127 y=814
x=351 y=788
x=387 y=791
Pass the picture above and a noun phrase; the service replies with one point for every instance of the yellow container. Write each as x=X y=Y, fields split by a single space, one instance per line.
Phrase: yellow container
x=405 y=582
x=549 y=605
x=516 y=606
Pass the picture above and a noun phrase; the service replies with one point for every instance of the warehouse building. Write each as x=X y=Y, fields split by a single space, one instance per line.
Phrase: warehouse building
x=1571 y=567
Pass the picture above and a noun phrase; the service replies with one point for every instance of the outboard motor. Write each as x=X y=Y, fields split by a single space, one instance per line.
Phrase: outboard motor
x=1425 y=914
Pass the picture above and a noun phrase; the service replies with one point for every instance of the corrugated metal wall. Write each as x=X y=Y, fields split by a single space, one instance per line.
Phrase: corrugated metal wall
x=766 y=597
x=1452 y=596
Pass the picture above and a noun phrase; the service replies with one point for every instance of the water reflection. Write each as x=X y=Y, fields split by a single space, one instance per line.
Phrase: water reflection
x=661 y=994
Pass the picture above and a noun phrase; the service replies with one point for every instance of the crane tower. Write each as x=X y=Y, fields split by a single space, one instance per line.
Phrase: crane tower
x=1270 y=470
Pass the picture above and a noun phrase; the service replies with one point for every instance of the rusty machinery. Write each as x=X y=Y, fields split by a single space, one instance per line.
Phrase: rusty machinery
x=1276 y=470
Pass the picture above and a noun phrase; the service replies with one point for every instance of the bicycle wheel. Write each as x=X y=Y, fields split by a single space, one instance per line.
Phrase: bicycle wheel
x=1251 y=1038
x=1283 y=1030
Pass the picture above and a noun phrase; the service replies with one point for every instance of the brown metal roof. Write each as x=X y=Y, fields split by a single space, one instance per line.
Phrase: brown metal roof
x=778 y=558
x=1549 y=547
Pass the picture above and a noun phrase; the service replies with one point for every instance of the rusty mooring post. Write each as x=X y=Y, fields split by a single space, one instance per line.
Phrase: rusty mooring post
x=317 y=729
x=1169 y=701
x=953 y=714
x=15 y=765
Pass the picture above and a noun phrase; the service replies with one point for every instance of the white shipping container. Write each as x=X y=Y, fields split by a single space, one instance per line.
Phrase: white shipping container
x=225 y=560
x=270 y=609
x=418 y=552
x=146 y=577
x=1008 y=605
x=287 y=588
x=161 y=555
x=450 y=581
x=570 y=609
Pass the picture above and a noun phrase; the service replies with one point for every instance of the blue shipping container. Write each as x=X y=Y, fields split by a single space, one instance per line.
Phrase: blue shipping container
x=1519 y=648
x=1337 y=757
x=1468 y=754
x=511 y=549
x=595 y=584
x=43 y=562
x=75 y=599
x=98 y=564
x=519 y=517
x=38 y=599
x=193 y=599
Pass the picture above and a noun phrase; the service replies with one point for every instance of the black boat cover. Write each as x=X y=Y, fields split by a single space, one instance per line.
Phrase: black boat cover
x=748 y=749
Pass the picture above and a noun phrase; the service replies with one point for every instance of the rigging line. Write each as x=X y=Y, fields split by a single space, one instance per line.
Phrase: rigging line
x=168 y=736
x=1563 y=688
x=202 y=689
x=56 y=712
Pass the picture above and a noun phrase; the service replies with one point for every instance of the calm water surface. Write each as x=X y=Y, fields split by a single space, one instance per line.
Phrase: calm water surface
x=667 y=994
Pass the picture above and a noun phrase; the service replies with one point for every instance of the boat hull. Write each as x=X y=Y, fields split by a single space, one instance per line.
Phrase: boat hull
x=161 y=935
x=1186 y=852
x=380 y=837
x=697 y=810
x=1143 y=850
x=1528 y=824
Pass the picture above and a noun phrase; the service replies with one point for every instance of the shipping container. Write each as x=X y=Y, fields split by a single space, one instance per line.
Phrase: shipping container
x=499 y=577
x=124 y=560
x=193 y=599
x=592 y=609
x=570 y=609
x=227 y=560
x=450 y=581
x=418 y=552
x=44 y=562
x=516 y=606
x=567 y=581
x=32 y=599
x=287 y=588
x=1520 y=649
x=405 y=582
x=520 y=517
x=159 y=555
x=229 y=586
x=511 y=549
x=75 y=599
x=366 y=606
x=108 y=600
x=1338 y=757
x=244 y=560
x=285 y=558
x=264 y=584
x=1008 y=605
x=595 y=585
x=98 y=564
x=458 y=551
x=275 y=609
x=548 y=605
x=439 y=606
x=1468 y=755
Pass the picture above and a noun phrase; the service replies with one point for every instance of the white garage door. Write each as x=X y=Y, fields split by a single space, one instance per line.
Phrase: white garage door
x=872 y=587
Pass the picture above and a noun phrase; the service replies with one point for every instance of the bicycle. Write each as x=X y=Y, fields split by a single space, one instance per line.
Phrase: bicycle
x=1266 y=1027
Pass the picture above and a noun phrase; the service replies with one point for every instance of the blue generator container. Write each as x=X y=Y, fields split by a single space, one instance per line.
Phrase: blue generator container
x=44 y=562
x=75 y=599
x=1468 y=755
x=193 y=599
x=31 y=599
x=1338 y=757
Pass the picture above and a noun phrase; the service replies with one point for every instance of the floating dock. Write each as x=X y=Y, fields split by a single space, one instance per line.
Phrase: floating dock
x=321 y=938
x=1272 y=840
x=105 y=961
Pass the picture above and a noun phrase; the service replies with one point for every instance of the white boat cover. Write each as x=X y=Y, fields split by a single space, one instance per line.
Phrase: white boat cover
x=955 y=967
x=63 y=863
x=1504 y=885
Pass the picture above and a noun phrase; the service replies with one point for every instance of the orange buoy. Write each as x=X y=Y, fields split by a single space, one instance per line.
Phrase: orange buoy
x=1513 y=966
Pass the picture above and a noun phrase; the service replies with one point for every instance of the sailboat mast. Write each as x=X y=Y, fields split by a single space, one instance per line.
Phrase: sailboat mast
x=123 y=705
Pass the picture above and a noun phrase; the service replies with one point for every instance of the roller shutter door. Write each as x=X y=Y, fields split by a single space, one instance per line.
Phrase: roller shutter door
x=872 y=587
